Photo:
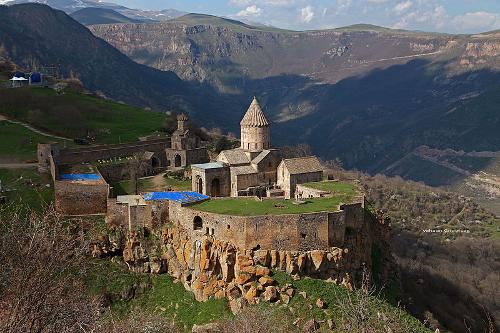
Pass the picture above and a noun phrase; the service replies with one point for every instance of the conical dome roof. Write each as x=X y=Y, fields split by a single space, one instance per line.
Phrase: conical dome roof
x=254 y=116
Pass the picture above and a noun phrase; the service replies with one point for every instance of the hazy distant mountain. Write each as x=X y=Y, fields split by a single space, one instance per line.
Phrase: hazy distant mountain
x=89 y=16
x=70 y=6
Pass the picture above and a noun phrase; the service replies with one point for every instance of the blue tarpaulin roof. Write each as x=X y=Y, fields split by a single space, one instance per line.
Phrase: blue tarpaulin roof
x=80 y=176
x=181 y=197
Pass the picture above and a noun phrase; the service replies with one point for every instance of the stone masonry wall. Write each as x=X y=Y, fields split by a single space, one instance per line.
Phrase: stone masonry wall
x=94 y=153
x=79 y=198
x=293 y=232
x=227 y=227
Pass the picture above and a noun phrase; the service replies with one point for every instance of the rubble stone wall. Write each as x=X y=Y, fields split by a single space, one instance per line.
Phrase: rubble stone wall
x=94 y=153
x=292 y=232
x=78 y=198
x=226 y=227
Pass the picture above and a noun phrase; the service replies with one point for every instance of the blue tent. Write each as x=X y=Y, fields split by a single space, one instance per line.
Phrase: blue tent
x=35 y=78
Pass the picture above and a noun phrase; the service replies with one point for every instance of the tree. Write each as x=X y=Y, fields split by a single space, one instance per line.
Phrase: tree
x=43 y=258
x=137 y=167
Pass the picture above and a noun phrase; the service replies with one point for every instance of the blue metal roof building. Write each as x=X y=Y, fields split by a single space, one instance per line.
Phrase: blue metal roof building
x=80 y=177
x=183 y=197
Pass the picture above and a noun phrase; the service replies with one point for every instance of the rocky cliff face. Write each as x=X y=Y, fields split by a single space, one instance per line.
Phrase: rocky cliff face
x=216 y=51
x=212 y=268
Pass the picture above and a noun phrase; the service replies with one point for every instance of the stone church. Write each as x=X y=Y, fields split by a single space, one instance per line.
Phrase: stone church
x=254 y=169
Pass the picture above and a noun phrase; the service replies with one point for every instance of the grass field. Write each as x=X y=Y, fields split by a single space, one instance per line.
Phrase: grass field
x=26 y=188
x=171 y=300
x=343 y=193
x=333 y=187
x=342 y=306
x=18 y=144
x=75 y=114
x=166 y=297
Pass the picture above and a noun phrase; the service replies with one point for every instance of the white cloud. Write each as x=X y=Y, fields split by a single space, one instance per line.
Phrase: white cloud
x=307 y=14
x=249 y=11
x=477 y=21
x=403 y=6
x=426 y=15
x=343 y=4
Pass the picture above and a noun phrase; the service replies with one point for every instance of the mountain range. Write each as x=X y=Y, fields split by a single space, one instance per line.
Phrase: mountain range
x=377 y=99
x=71 y=6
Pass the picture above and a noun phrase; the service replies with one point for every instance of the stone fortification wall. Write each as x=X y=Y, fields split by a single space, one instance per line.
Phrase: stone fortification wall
x=81 y=198
x=149 y=216
x=94 y=153
x=210 y=267
x=287 y=232
x=292 y=232
x=224 y=227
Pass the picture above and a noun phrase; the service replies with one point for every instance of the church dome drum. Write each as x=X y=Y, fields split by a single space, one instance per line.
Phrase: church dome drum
x=255 y=129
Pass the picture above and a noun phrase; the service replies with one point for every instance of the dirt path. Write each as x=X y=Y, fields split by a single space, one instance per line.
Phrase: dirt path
x=158 y=182
x=31 y=128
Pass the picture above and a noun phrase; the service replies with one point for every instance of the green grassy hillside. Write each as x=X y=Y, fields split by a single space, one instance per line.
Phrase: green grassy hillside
x=19 y=144
x=169 y=299
x=75 y=114
x=26 y=189
x=71 y=115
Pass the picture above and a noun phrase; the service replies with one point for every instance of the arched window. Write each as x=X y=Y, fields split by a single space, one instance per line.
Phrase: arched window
x=199 y=185
x=155 y=162
x=177 y=160
x=197 y=223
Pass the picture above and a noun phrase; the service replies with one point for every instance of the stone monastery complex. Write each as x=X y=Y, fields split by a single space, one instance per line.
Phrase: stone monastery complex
x=250 y=210
x=254 y=168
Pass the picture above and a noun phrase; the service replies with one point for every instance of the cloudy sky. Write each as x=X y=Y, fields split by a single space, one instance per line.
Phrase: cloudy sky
x=454 y=16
